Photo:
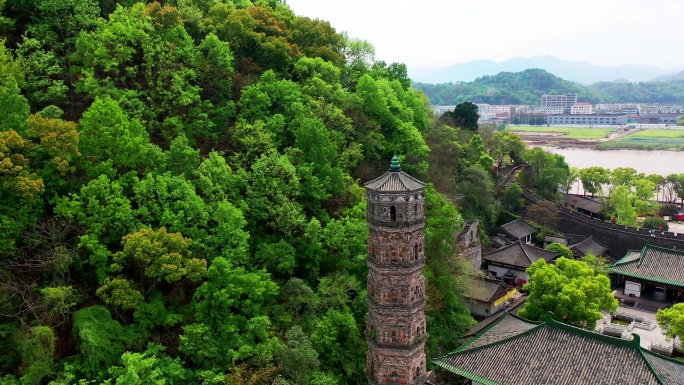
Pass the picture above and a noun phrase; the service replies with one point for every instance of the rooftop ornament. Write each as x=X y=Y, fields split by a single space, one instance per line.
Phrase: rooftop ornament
x=394 y=166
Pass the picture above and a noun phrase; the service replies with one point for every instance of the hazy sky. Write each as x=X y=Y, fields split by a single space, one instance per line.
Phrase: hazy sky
x=435 y=33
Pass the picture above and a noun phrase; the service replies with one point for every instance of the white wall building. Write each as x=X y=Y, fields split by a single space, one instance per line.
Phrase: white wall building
x=589 y=120
x=549 y=110
x=484 y=108
x=581 y=109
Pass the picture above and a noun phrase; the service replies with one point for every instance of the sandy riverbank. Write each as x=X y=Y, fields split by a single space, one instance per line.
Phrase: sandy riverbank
x=558 y=139
x=553 y=139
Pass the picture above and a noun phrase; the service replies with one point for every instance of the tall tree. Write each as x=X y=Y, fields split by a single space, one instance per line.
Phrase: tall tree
x=570 y=290
x=109 y=137
x=671 y=320
x=464 y=116
x=143 y=58
x=232 y=322
x=544 y=172
x=594 y=178
x=622 y=203
x=149 y=259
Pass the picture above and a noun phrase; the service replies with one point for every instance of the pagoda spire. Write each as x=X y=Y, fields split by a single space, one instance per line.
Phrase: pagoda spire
x=394 y=165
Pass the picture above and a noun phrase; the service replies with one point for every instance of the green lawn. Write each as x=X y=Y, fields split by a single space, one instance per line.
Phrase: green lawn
x=568 y=132
x=648 y=140
x=619 y=322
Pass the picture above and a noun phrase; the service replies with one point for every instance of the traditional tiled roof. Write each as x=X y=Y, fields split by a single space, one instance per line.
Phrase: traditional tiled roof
x=583 y=203
x=519 y=254
x=485 y=289
x=518 y=228
x=487 y=322
x=501 y=239
x=395 y=180
x=505 y=327
x=653 y=263
x=587 y=246
x=520 y=352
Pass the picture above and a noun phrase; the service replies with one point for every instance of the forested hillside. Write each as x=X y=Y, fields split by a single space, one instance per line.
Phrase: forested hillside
x=526 y=87
x=181 y=200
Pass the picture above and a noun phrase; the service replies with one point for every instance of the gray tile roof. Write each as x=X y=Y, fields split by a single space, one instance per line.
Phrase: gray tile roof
x=553 y=353
x=395 y=181
x=519 y=254
x=670 y=372
x=501 y=239
x=587 y=246
x=485 y=289
x=583 y=203
x=518 y=228
x=485 y=323
x=653 y=263
x=507 y=326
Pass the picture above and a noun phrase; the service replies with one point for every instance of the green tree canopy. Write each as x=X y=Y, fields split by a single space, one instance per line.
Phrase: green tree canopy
x=570 y=290
x=545 y=172
x=232 y=320
x=560 y=249
x=464 y=116
x=593 y=178
x=671 y=320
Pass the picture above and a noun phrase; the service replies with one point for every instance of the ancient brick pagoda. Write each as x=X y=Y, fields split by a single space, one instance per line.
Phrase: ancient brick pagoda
x=395 y=323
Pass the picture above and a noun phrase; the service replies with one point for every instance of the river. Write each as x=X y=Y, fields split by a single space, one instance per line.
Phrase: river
x=649 y=162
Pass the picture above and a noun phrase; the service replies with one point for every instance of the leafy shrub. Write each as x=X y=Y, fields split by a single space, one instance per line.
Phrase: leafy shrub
x=668 y=210
x=655 y=223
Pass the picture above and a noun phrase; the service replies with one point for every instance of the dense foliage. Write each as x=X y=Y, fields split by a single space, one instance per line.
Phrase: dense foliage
x=569 y=289
x=527 y=87
x=181 y=194
x=627 y=195
x=671 y=320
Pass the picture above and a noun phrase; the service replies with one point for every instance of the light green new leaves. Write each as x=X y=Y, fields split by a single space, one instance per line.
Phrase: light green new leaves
x=570 y=290
x=231 y=314
x=672 y=320
x=398 y=115
x=107 y=134
x=106 y=215
x=14 y=109
x=171 y=201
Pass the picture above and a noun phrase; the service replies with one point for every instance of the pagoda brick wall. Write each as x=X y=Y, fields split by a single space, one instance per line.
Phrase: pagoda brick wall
x=395 y=322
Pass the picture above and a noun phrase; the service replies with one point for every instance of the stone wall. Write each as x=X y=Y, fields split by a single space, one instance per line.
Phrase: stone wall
x=469 y=244
x=618 y=238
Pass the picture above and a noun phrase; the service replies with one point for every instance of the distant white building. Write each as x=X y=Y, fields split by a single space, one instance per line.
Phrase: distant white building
x=565 y=101
x=440 y=110
x=655 y=109
x=548 y=110
x=510 y=108
x=484 y=108
x=581 y=109
x=617 y=108
x=589 y=120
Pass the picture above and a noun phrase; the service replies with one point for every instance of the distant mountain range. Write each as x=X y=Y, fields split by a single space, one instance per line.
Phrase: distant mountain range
x=526 y=87
x=577 y=71
x=669 y=78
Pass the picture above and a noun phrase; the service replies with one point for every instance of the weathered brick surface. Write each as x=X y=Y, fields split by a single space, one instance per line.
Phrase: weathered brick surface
x=395 y=322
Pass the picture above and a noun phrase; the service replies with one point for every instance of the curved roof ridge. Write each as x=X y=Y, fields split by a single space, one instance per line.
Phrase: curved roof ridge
x=527 y=247
x=464 y=347
x=491 y=362
x=524 y=250
x=584 y=240
x=395 y=181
